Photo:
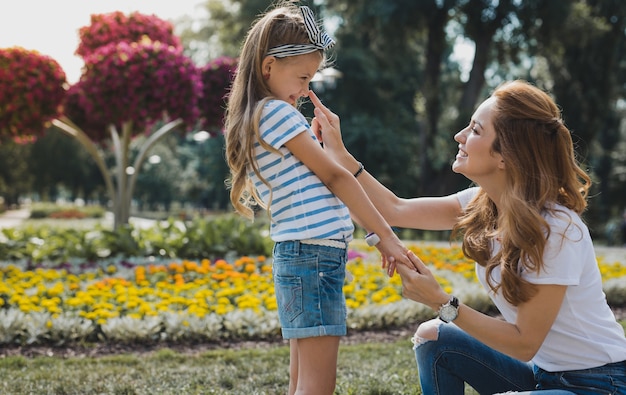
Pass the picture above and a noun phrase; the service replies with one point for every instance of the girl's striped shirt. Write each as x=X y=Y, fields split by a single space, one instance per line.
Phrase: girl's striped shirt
x=301 y=207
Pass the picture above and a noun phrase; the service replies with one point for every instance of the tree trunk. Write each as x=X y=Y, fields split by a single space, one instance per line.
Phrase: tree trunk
x=120 y=192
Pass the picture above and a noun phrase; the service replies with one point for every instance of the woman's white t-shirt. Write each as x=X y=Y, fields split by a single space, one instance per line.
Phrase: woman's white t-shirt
x=585 y=333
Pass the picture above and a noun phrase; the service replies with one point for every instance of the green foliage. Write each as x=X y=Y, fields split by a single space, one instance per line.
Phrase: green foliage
x=52 y=210
x=199 y=238
x=57 y=161
x=15 y=178
x=382 y=368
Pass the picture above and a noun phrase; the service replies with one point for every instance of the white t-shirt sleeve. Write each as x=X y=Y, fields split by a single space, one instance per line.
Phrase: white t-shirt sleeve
x=466 y=195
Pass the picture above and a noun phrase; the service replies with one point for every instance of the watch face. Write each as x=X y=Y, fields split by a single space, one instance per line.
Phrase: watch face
x=448 y=313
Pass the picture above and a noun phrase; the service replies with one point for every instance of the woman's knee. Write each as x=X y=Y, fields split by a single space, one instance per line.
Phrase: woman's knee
x=427 y=331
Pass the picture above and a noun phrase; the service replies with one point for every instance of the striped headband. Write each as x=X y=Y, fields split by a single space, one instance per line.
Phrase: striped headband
x=319 y=39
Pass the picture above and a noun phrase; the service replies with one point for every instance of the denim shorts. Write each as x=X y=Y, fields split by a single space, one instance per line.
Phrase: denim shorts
x=308 y=282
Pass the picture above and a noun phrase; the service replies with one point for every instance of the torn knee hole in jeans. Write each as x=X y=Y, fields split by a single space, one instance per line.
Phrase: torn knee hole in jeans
x=426 y=332
x=418 y=341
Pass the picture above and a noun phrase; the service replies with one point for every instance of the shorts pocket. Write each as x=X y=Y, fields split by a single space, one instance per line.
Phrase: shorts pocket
x=288 y=297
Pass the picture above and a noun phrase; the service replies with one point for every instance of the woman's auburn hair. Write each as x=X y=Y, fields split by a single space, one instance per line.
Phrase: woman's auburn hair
x=249 y=93
x=542 y=170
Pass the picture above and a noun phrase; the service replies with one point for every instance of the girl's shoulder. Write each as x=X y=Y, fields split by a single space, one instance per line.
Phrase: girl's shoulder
x=278 y=105
x=279 y=109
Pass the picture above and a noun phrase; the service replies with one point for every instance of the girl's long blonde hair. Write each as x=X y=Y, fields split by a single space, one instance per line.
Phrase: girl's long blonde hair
x=542 y=169
x=250 y=91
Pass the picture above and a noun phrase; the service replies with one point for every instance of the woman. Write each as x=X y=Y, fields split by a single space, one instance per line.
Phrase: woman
x=521 y=224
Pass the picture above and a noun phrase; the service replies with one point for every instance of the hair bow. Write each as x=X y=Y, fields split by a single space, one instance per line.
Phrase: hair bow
x=320 y=40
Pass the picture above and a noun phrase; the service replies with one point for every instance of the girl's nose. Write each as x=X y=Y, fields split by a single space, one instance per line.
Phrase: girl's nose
x=305 y=91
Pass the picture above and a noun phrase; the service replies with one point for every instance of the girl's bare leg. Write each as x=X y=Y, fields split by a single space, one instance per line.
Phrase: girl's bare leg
x=317 y=365
x=293 y=366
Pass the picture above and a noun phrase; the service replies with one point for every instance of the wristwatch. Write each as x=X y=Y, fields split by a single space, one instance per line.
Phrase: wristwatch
x=449 y=311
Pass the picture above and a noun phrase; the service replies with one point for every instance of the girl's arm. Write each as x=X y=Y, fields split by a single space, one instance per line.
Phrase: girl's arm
x=429 y=213
x=520 y=340
x=343 y=184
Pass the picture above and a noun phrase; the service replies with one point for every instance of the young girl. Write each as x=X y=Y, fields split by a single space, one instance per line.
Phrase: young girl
x=276 y=161
x=533 y=253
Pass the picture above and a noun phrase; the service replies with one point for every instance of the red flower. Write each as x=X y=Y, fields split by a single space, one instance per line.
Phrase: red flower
x=31 y=91
x=115 y=27
x=143 y=82
x=217 y=77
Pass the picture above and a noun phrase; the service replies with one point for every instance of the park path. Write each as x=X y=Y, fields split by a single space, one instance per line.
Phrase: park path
x=13 y=218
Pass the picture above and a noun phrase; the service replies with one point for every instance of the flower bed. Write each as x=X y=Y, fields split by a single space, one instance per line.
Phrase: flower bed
x=149 y=300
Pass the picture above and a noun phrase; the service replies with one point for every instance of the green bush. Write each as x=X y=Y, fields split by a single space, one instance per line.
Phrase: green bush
x=199 y=238
x=64 y=211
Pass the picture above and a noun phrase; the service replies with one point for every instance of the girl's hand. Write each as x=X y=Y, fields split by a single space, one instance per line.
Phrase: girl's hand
x=419 y=284
x=393 y=253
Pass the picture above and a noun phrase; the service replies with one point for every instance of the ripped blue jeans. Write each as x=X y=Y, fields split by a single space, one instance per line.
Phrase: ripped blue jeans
x=456 y=358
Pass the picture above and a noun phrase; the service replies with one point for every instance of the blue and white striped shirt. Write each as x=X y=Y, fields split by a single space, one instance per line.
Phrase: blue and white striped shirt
x=302 y=207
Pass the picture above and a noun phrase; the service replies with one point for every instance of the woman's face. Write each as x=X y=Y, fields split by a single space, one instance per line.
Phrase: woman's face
x=288 y=78
x=475 y=159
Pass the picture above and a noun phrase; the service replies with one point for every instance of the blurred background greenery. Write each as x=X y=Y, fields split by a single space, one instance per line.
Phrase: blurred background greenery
x=412 y=74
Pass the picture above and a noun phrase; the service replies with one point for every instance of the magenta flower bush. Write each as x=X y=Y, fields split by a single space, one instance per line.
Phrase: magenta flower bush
x=114 y=27
x=141 y=82
x=136 y=81
x=217 y=77
x=31 y=92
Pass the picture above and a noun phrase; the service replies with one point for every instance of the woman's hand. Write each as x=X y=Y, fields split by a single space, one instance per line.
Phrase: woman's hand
x=326 y=126
x=420 y=285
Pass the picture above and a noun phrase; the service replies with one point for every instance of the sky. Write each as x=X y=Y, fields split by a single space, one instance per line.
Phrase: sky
x=51 y=26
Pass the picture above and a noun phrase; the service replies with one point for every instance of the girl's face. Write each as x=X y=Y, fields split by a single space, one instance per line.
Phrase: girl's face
x=288 y=78
x=475 y=159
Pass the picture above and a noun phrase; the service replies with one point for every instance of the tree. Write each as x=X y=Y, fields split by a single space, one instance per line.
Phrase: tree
x=136 y=81
x=15 y=179
x=131 y=84
x=223 y=30
x=583 y=44
x=217 y=76
x=58 y=160
x=31 y=92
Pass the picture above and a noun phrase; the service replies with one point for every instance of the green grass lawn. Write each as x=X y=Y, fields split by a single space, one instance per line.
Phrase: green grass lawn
x=377 y=368
x=364 y=369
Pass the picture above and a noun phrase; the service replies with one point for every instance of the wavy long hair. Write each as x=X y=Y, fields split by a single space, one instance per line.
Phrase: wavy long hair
x=542 y=170
x=249 y=93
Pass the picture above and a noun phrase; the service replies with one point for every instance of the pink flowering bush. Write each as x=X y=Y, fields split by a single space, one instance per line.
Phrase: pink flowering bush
x=217 y=78
x=31 y=92
x=143 y=82
x=114 y=27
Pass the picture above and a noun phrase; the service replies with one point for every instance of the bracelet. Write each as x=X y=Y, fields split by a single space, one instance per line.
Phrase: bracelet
x=358 y=172
x=372 y=239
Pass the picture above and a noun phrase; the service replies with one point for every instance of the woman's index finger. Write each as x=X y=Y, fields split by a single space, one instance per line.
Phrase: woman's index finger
x=316 y=100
